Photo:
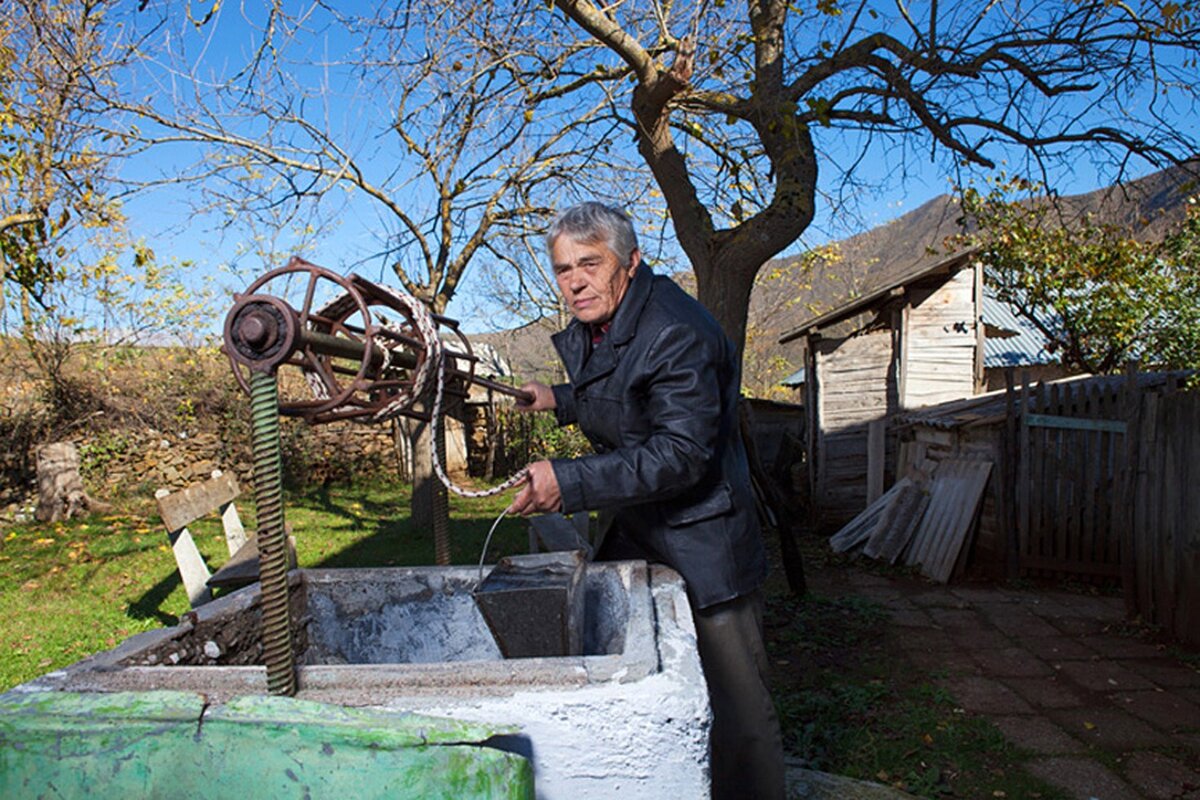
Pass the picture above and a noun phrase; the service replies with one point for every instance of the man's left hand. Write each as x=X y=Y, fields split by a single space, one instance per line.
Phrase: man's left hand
x=540 y=494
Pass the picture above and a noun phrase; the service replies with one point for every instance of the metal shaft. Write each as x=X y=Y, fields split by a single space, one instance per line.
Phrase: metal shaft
x=341 y=347
x=278 y=652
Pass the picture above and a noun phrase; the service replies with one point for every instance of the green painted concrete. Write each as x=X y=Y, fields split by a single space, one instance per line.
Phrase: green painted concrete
x=167 y=745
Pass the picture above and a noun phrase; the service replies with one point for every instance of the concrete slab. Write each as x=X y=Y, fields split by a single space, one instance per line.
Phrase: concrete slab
x=1020 y=623
x=954 y=620
x=1082 y=779
x=1103 y=676
x=912 y=617
x=985 y=696
x=980 y=597
x=1166 y=672
x=1106 y=610
x=1160 y=777
x=1056 y=648
x=930 y=640
x=1038 y=735
x=804 y=784
x=1012 y=662
x=1075 y=625
x=981 y=639
x=1109 y=728
x=1163 y=710
x=1121 y=647
x=1046 y=692
x=173 y=744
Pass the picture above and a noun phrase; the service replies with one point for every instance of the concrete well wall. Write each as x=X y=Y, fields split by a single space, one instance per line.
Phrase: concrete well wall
x=628 y=718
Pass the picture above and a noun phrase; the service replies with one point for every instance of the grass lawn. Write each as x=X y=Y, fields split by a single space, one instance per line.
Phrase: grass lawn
x=71 y=589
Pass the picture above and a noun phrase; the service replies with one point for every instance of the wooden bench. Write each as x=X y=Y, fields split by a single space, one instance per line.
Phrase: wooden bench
x=182 y=508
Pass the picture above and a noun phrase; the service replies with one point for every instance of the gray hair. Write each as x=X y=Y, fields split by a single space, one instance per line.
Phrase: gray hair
x=594 y=222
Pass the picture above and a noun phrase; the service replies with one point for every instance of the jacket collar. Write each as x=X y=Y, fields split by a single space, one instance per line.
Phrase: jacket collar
x=573 y=342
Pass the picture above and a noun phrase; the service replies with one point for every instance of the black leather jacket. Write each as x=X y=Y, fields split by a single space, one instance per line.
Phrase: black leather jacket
x=657 y=398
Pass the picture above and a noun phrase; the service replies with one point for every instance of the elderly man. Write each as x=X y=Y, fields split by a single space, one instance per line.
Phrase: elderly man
x=654 y=385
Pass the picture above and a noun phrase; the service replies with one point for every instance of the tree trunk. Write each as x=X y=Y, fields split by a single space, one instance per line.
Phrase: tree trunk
x=726 y=294
x=430 y=506
x=61 y=495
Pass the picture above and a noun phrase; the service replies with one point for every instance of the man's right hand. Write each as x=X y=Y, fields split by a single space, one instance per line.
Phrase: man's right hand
x=543 y=397
x=540 y=494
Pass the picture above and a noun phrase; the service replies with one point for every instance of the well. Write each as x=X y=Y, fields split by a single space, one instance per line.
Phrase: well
x=629 y=715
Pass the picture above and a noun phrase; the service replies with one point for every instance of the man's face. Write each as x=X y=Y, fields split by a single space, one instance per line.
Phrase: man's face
x=591 y=278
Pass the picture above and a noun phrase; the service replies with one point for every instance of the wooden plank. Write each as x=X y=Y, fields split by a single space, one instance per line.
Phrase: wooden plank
x=1172 y=468
x=1150 y=479
x=875 y=458
x=1091 y=541
x=1037 y=485
x=1189 y=628
x=1076 y=423
x=1024 y=475
x=978 y=328
x=1060 y=565
x=1184 y=515
x=182 y=508
x=1006 y=508
x=192 y=569
x=1126 y=476
x=240 y=570
x=1055 y=473
x=954 y=496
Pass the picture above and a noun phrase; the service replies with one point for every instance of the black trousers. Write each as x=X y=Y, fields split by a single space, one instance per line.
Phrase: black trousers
x=746 y=747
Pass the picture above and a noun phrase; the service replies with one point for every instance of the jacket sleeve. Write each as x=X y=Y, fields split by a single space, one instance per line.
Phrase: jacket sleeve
x=680 y=381
x=564 y=404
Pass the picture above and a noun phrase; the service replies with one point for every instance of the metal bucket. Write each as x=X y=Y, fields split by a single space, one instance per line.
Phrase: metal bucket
x=534 y=604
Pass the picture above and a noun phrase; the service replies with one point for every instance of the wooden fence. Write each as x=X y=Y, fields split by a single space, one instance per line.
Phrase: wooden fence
x=1162 y=582
x=1069 y=488
x=1107 y=486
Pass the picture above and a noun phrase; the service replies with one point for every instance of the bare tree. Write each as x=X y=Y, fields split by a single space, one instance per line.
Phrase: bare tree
x=414 y=117
x=433 y=132
x=734 y=110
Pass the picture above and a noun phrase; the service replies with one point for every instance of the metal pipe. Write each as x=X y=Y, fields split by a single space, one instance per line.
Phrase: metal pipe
x=341 y=347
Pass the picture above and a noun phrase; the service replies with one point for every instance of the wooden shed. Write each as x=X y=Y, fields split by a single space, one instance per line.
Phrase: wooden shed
x=924 y=339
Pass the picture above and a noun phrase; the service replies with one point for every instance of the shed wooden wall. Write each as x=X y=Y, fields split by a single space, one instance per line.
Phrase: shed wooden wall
x=854 y=376
x=939 y=351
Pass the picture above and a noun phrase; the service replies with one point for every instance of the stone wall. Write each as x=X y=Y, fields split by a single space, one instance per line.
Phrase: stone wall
x=122 y=462
x=149 y=460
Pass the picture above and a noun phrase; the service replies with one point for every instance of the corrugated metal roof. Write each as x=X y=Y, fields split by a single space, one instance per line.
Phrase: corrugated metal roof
x=795 y=379
x=1024 y=346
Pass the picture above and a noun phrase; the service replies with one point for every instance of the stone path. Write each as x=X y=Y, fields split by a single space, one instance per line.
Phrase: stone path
x=1108 y=715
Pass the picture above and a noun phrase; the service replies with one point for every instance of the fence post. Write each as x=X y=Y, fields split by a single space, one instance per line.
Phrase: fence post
x=1131 y=406
x=1009 y=455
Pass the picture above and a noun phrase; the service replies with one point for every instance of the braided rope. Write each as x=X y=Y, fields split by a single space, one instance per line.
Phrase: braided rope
x=435 y=362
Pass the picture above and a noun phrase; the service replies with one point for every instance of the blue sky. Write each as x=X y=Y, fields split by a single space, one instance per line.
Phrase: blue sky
x=169 y=223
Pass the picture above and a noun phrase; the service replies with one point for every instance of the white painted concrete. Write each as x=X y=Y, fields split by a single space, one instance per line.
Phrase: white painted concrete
x=644 y=738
